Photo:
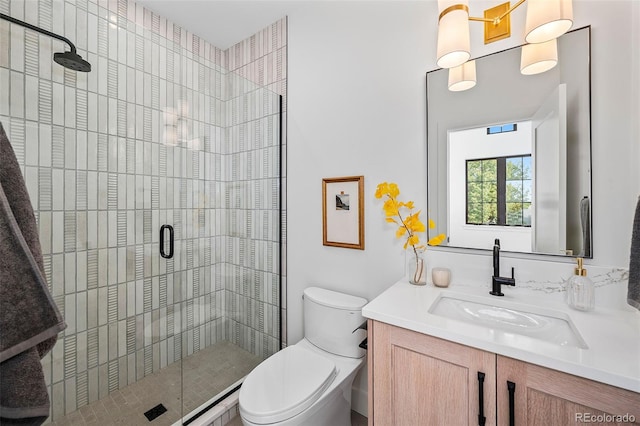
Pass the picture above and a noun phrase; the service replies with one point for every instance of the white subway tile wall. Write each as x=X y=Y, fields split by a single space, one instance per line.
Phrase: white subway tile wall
x=262 y=59
x=159 y=132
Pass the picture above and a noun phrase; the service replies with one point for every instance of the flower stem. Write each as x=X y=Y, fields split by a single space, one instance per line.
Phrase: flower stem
x=417 y=274
x=415 y=251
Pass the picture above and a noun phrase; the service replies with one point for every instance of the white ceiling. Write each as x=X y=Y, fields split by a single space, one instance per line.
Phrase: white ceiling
x=222 y=23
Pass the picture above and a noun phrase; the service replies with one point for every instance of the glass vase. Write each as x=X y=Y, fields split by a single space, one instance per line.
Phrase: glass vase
x=415 y=268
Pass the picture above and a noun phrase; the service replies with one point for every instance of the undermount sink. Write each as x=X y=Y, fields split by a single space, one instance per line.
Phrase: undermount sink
x=541 y=324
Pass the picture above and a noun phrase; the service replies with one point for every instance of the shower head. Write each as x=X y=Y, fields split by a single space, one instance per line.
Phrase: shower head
x=69 y=59
x=72 y=60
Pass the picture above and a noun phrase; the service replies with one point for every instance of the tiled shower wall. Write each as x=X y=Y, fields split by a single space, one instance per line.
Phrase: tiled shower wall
x=252 y=192
x=157 y=133
x=262 y=59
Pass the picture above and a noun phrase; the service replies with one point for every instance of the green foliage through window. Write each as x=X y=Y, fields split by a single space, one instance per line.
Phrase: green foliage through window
x=499 y=191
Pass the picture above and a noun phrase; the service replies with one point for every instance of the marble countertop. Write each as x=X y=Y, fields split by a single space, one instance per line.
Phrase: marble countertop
x=612 y=335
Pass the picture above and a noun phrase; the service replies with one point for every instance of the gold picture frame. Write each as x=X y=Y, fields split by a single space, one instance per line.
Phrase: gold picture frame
x=343 y=212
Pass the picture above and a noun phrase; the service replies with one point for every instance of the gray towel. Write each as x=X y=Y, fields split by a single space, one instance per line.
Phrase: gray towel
x=29 y=319
x=633 y=293
x=585 y=218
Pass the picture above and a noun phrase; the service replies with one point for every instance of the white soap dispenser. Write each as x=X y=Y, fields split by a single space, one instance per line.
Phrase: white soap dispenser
x=580 y=290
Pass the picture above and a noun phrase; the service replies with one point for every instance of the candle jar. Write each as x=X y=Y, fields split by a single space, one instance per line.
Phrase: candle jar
x=441 y=277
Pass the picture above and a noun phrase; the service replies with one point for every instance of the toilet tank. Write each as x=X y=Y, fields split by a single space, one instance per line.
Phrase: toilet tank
x=331 y=321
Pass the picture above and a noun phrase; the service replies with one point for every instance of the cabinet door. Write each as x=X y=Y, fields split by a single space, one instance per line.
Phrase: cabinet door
x=548 y=397
x=422 y=380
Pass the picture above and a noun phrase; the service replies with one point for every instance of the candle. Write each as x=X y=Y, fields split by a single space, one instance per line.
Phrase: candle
x=441 y=277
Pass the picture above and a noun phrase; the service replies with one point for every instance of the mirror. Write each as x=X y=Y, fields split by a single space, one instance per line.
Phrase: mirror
x=511 y=157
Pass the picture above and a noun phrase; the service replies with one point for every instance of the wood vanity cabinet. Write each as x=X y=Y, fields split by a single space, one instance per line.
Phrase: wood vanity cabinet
x=416 y=379
x=549 y=397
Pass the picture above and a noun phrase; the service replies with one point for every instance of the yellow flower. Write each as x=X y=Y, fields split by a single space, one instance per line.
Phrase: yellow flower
x=390 y=207
x=413 y=223
x=437 y=240
x=409 y=225
x=412 y=241
x=385 y=188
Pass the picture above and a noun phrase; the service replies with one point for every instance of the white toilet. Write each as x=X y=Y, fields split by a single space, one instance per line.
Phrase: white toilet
x=309 y=383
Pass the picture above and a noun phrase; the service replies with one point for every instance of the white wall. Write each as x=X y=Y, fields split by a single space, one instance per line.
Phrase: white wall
x=357 y=106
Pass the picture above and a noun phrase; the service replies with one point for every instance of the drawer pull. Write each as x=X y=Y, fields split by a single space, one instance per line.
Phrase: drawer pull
x=512 y=411
x=481 y=418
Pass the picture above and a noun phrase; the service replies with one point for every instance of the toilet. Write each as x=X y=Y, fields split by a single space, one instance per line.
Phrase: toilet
x=309 y=383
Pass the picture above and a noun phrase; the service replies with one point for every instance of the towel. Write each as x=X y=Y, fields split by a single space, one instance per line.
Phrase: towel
x=585 y=218
x=29 y=319
x=633 y=292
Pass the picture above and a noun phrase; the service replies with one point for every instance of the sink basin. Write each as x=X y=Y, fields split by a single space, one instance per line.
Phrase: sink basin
x=541 y=324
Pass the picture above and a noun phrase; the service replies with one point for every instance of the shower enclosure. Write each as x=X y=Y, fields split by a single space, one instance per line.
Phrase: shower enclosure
x=155 y=180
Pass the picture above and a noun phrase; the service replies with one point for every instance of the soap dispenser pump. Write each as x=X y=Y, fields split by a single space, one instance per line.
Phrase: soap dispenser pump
x=580 y=289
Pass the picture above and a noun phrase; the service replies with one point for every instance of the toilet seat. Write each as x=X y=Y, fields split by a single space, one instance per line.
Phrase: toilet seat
x=285 y=385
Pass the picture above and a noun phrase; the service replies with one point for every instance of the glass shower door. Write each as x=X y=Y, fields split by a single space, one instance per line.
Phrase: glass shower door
x=231 y=314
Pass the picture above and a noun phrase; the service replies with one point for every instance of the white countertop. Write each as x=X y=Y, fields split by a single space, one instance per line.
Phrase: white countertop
x=612 y=336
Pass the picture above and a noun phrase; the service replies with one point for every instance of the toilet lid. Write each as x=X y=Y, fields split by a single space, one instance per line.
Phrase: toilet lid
x=284 y=385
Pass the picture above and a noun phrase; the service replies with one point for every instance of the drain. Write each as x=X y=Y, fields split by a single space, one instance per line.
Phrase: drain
x=156 y=411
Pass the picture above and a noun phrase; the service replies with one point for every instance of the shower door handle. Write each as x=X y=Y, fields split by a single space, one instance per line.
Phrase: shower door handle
x=163 y=253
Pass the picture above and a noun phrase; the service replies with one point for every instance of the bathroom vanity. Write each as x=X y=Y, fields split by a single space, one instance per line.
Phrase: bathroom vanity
x=459 y=356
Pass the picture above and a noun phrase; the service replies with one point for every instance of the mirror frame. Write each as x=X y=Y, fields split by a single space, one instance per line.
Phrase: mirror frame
x=433 y=188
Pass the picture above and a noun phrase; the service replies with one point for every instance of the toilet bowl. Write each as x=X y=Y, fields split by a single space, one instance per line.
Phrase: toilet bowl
x=309 y=383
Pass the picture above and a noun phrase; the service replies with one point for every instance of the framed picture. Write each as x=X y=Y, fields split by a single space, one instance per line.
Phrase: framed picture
x=343 y=212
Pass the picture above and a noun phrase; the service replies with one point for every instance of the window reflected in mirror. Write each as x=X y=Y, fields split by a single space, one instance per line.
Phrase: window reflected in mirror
x=499 y=191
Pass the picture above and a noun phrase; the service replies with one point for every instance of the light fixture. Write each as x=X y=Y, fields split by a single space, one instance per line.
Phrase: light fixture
x=546 y=20
x=454 y=44
x=462 y=77
x=539 y=57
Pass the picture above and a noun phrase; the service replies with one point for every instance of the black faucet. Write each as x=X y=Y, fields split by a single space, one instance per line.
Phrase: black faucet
x=496 y=280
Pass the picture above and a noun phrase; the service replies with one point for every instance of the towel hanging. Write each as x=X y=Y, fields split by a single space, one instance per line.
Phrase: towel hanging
x=585 y=219
x=633 y=291
x=29 y=319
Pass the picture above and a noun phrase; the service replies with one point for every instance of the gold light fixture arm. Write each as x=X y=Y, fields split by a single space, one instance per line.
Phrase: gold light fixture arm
x=473 y=18
x=511 y=9
x=496 y=20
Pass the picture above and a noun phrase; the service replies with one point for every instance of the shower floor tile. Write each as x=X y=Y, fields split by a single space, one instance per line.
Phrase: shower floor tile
x=205 y=373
